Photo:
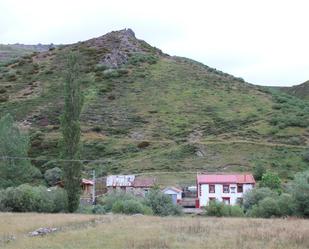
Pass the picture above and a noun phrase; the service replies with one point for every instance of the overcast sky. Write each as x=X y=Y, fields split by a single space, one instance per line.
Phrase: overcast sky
x=264 y=42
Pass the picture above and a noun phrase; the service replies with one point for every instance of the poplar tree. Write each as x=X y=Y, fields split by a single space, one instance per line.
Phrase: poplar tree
x=70 y=125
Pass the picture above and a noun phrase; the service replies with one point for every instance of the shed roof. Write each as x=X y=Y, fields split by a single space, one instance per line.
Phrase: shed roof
x=140 y=182
x=224 y=178
x=120 y=180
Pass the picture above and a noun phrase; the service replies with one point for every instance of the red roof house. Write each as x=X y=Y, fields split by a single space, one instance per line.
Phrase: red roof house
x=228 y=188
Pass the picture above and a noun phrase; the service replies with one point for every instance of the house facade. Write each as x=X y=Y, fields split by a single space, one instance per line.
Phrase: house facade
x=136 y=185
x=222 y=187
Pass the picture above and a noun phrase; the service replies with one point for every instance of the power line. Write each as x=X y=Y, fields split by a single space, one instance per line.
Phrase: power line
x=6 y=158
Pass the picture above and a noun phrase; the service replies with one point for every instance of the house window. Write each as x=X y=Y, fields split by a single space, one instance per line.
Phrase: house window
x=226 y=188
x=239 y=188
x=212 y=189
x=233 y=190
x=226 y=200
x=212 y=199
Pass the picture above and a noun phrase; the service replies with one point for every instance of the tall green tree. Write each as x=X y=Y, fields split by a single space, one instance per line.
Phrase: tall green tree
x=70 y=125
x=14 y=146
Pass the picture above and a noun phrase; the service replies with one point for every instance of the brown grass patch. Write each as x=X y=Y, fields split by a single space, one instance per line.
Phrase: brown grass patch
x=146 y=232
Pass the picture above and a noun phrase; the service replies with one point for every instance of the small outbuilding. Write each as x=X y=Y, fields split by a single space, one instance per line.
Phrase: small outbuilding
x=174 y=193
x=136 y=185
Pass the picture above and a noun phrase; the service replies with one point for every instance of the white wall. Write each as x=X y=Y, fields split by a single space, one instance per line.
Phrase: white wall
x=218 y=195
x=172 y=192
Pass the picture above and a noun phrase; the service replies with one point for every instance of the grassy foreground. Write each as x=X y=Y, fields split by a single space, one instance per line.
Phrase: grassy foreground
x=145 y=232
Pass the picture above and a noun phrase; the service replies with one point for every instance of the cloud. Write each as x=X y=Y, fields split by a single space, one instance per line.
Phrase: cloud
x=265 y=42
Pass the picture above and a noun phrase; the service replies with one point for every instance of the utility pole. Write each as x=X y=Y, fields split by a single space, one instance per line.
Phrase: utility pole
x=93 y=187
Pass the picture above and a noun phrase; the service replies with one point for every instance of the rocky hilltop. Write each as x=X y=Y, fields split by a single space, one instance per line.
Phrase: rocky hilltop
x=146 y=111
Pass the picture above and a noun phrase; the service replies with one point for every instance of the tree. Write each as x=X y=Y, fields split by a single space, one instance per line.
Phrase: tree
x=13 y=143
x=271 y=180
x=52 y=176
x=161 y=204
x=258 y=171
x=299 y=189
x=254 y=196
x=70 y=125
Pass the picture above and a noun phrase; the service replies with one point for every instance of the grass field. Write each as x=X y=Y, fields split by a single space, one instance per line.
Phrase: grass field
x=145 y=232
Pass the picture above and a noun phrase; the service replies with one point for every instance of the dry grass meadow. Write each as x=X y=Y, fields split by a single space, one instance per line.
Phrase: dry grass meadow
x=145 y=232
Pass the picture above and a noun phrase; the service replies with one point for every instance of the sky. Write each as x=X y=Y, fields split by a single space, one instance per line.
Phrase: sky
x=264 y=42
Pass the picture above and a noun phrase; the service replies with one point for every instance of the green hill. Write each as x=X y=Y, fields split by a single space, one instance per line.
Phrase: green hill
x=301 y=91
x=146 y=111
x=12 y=52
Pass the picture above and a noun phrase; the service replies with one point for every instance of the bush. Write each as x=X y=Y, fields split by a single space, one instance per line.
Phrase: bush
x=52 y=176
x=100 y=68
x=139 y=58
x=219 y=209
x=111 y=73
x=258 y=171
x=161 y=204
x=280 y=206
x=26 y=198
x=299 y=188
x=89 y=209
x=286 y=205
x=98 y=209
x=266 y=208
x=109 y=200
x=271 y=180
x=306 y=156
x=131 y=207
x=255 y=195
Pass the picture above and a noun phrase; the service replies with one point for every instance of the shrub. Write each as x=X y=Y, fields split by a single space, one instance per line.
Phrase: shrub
x=111 y=73
x=161 y=204
x=306 y=156
x=255 y=195
x=294 y=141
x=266 y=208
x=286 y=205
x=26 y=198
x=299 y=188
x=109 y=200
x=131 y=207
x=258 y=171
x=52 y=176
x=219 y=209
x=89 y=209
x=271 y=180
x=100 y=68
x=139 y=58
x=236 y=211
x=98 y=209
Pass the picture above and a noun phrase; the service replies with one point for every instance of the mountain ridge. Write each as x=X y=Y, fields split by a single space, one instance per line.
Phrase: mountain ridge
x=137 y=98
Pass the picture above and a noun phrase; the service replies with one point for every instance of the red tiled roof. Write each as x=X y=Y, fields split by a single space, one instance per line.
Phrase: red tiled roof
x=235 y=178
x=144 y=182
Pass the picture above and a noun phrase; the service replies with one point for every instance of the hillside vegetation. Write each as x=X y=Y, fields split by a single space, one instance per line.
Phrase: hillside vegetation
x=301 y=91
x=146 y=111
x=113 y=232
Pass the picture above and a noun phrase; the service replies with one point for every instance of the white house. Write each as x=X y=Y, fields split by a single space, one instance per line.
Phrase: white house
x=174 y=193
x=222 y=187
